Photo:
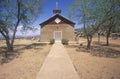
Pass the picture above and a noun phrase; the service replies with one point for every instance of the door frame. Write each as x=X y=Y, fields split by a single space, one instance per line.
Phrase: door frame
x=57 y=31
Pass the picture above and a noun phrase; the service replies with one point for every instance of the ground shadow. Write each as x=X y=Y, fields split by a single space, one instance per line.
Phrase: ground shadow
x=71 y=46
x=103 y=44
x=17 y=51
x=29 y=46
x=103 y=51
x=98 y=50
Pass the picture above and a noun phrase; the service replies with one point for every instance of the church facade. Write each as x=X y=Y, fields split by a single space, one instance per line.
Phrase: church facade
x=57 y=27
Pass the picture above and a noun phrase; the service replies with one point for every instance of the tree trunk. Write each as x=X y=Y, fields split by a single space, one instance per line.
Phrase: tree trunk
x=18 y=21
x=89 y=40
x=9 y=47
x=108 y=34
x=107 y=40
x=98 y=38
x=89 y=36
x=5 y=33
x=14 y=33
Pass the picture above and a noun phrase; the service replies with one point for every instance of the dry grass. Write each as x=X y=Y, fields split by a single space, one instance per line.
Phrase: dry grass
x=26 y=60
x=93 y=65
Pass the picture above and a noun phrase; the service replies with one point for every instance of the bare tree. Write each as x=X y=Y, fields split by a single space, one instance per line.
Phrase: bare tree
x=13 y=13
x=95 y=14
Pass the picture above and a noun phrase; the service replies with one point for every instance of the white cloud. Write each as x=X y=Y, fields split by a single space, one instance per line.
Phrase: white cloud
x=28 y=32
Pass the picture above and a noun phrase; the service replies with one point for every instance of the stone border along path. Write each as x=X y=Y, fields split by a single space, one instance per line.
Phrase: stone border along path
x=57 y=65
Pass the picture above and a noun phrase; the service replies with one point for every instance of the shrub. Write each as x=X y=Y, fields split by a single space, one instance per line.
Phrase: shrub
x=65 y=41
x=52 y=41
x=81 y=44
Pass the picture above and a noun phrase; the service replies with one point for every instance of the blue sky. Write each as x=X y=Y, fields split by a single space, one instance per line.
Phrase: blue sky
x=47 y=9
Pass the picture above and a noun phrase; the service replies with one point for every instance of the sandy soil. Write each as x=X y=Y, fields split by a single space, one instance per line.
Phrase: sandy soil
x=93 y=67
x=30 y=56
x=27 y=62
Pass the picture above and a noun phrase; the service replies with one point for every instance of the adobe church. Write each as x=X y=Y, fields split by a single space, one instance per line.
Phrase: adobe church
x=57 y=27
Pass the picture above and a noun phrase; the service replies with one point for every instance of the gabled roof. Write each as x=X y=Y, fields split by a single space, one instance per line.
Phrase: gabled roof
x=57 y=16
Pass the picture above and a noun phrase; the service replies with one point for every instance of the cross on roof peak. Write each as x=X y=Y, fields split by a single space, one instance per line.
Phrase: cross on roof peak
x=56 y=10
x=56 y=4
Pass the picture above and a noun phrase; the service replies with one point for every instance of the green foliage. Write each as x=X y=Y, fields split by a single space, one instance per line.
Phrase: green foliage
x=116 y=29
x=65 y=41
x=52 y=41
x=16 y=12
x=94 y=14
x=23 y=10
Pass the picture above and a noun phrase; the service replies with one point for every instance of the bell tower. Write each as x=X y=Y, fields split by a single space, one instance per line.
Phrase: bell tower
x=56 y=10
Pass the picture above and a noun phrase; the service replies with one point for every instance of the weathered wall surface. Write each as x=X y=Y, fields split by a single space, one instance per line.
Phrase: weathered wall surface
x=47 y=32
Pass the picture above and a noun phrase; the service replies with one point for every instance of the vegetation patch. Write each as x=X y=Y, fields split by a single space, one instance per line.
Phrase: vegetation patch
x=65 y=41
x=52 y=41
